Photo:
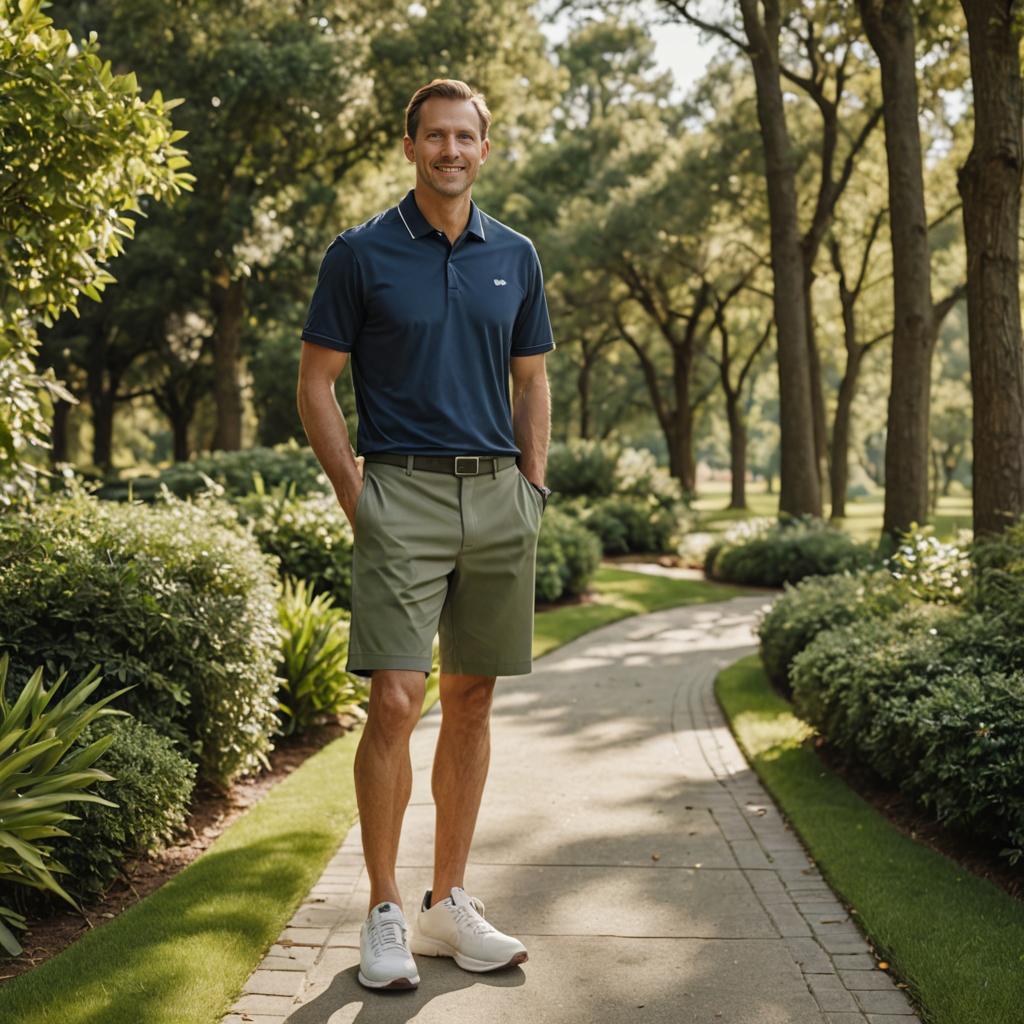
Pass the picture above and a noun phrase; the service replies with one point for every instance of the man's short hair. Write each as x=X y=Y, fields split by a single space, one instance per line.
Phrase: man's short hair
x=446 y=89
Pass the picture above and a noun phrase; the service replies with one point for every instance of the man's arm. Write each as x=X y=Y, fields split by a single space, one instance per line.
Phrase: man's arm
x=531 y=415
x=324 y=424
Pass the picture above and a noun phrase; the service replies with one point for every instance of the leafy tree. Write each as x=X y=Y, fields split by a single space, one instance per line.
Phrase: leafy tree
x=78 y=147
x=754 y=28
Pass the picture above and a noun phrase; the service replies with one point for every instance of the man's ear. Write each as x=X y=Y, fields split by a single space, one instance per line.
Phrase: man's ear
x=485 y=148
x=409 y=149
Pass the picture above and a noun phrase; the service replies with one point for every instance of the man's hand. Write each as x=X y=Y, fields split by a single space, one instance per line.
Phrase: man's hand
x=325 y=426
x=348 y=497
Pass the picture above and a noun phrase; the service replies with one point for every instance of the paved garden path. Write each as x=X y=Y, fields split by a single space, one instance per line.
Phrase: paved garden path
x=625 y=840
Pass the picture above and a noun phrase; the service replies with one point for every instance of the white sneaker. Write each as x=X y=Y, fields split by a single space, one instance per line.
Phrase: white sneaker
x=456 y=927
x=384 y=957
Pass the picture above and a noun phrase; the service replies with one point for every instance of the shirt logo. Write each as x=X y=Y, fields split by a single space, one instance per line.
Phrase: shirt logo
x=500 y=282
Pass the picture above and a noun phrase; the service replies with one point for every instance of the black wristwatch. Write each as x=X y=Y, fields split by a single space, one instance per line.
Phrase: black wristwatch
x=543 y=491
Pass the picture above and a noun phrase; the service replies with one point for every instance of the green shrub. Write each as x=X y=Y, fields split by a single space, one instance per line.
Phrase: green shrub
x=568 y=555
x=310 y=536
x=40 y=775
x=637 y=473
x=969 y=766
x=174 y=598
x=627 y=524
x=238 y=472
x=785 y=552
x=600 y=469
x=152 y=784
x=846 y=677
x=582 y=467
x=926 y=700
x=929 y=569
x=552 y=567
x=819 y=603
x=314 y=651
x=998 y=584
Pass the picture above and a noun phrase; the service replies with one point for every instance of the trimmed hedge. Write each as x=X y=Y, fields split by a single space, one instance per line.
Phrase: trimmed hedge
x=920 y=569
x=817 y=604
x=769 y=553
x=627 y=524
x=308 y=535
x=568 y=556
x=237 y=472
x=175 y=599
x=931 y=700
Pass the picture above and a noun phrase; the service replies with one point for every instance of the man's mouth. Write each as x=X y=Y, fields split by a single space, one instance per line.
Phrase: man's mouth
x=449 y=168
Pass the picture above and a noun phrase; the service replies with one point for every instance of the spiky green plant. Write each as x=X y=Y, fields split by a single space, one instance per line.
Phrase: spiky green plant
x=314 y=651
x=38 y=779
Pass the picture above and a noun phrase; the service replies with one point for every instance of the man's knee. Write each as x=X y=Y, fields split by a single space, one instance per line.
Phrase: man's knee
x=396 y=701
x=467 y=697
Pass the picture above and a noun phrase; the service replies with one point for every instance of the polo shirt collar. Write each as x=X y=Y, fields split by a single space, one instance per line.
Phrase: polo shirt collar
x=418 y=226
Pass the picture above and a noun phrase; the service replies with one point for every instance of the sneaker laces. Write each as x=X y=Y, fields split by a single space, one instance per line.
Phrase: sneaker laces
x=387 y=935
x=472 y=916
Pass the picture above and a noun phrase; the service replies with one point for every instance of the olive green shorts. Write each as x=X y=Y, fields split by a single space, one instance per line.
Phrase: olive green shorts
x=439 y=554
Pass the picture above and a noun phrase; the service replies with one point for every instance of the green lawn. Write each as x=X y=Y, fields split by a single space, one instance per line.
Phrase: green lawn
x=957 y=939
x=619 y=594
x=863 y=520
x=182 y=955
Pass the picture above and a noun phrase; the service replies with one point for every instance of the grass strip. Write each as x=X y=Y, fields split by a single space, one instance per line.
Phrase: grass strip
x=618 y=594
x=182 y=955
x=955 y=938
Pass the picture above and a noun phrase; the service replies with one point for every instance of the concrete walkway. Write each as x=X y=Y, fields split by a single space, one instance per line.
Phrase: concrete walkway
x=624 y=839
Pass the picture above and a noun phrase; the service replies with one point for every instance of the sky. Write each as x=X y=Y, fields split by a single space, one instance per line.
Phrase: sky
x=677 y=48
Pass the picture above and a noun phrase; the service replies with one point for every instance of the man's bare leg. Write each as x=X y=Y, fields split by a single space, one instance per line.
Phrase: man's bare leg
x=383 y=775
x=460 y=770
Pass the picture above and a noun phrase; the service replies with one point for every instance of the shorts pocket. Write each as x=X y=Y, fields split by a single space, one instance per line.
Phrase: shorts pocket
x=361 y=500
x=537 y=496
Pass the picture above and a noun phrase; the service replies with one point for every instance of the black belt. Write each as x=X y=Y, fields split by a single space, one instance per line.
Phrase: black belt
x=459 y=465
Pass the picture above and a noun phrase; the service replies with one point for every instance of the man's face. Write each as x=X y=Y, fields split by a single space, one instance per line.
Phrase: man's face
x=448 y=149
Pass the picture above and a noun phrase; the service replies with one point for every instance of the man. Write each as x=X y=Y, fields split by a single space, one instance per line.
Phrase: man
x=437 y=303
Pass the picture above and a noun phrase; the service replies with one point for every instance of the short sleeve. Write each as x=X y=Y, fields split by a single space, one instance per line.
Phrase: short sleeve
x=335 y=315
x=531 y=333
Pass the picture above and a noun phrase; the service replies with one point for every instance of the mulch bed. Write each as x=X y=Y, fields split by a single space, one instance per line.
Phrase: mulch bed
x=212 y=812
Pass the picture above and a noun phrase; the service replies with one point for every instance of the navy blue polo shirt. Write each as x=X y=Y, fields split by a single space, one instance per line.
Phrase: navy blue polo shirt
x=431 y=327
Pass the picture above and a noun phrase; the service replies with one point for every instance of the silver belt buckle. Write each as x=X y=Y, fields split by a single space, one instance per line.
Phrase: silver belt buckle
x=475 y=459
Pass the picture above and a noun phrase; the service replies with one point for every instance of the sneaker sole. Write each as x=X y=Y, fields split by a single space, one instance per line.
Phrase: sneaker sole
x=399 y=982
x=434 y=947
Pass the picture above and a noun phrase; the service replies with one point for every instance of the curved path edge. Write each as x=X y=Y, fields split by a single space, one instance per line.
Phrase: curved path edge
x=624 y=838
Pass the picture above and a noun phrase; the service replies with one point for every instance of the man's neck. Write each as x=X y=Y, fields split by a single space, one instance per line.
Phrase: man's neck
x=448 y=215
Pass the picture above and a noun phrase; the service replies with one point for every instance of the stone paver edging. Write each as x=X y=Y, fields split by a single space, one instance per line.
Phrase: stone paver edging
x=626 y=841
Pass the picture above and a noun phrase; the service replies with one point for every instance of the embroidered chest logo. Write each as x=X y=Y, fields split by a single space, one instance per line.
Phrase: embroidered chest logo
x=500 y=282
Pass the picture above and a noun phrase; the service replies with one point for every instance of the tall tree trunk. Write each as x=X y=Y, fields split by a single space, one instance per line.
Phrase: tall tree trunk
x=990 y=184
x=821 y=455
x=800 y=488
x=228 y=301
x=840 y=470
x=682 y=420
x=101 y=401
x=737 y=452
x=583 y=389
x=59 y=431
x=890 y=29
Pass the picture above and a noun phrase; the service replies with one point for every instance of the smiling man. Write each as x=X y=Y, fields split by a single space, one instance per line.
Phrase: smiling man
x=437 y=304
